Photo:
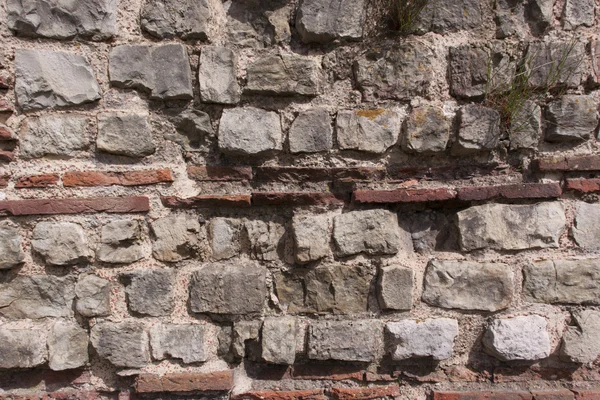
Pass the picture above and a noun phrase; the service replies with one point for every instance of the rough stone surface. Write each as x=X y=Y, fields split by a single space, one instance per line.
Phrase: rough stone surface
x=163 y=70
x=53 y=79
x=395 y=288
x=581 y=343
x=479 y=130
x=126 y=134
x=401 y=73
x=150 y=291
x=525 y=127
x=279 y=340
x=265 y=239
x=311 y=132
x=166 y=19
x=555 y=62
x=571 y=118
x=374 y=232
x=194 y=128
x=228 y=289
x=67 y=346
x=37 y=296
x=250 y=131
x=563 y=281
x=372 y=131
x=120 y=242
x=55 y=135
x=429 y=338
x=344 y=340
x=443 y=17
x=90 y=19
x=182 y=341
x=425 y=131
x=285 y=75
x=22 y=347
x=468 y=71
x=539 y=15
x=217 y=76
x=430 y=231
x=468 y=285
x=518 y=338
x=175 y=237
x=577 y=13
x=225 y=237
x=340 y=289
x=511 y=227
x=11 y=252
x=123 y=344
x=244 y=332
x=311 y=237
x=92 y=296
x=325 y=21
x=61 y=243
x=586 y=229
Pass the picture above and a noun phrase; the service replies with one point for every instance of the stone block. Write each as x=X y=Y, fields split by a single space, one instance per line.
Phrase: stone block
x=511 y=227
x=581 y=343
x=571 y=118
x=285 y=75
x=150 y=291
x=244 y=332
x=37 y=296
x=555 y=63
x=444 y=17
x=61 y=243
x=125 y=134
x=578 y=13
x=228 y=289
x=586 y=229
x=250 y=131
x=92 y=296
x=11 y=251
x=163 y=71
x=311 y=237
x=395 y=288
x=279 y=340
x=67 y=346
x=182 y=341
x=120 y=242
x=123 y=344
x=468 y=285
x=265 y=239
x=62 y=135
x=525 y=126
x=425 y=131
x=166 y=19
x=371 y=131
x=224 y=236
x=311 y=132
x=422 y=338
x=175 y=237
x=324 y=21
x=518 y=338
x=217 y=76
x=22 y=347
x=344 y=340
x=478 y=131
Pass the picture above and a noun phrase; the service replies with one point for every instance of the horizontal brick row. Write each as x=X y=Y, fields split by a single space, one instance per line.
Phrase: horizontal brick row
x=520 y=395
x=95 y=178
x=74 y=206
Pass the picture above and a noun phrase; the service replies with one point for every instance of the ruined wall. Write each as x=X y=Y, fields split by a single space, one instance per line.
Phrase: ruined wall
x=272 y=199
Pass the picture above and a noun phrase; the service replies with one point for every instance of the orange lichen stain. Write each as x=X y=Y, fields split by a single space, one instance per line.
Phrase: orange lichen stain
x=371 y=114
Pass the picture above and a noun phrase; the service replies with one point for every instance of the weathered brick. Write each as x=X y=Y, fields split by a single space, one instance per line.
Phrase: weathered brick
x=516 y=191
x=184 y=382
x=365 y=393
x=37 y=181
x=7 y=156
x=7 y=134
x=483 y=395
x=565 y=163
x=207 y=201
x=302 y=174
x=587 y=394
x=218 y=173
x=315 y=394
x=294 y=199
x=583 y=185
x=402 y=195
x=125 y=178
x=74 y=206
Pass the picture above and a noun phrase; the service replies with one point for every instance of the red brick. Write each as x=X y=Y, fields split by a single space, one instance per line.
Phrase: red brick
x=238 y=200
x=294 y=199
x=126 y=178
x=482 y=396
x=7 y=156
x=365 y=393
x=584 y=185
x=184 y=382
x=74 y=206
x=515 y=191
x=303 y=174
x=214 y=173
x=553 y=395
x=6 y=134
x=316 y=394
x=4 y=180
x=587 y=394
x=327 y=371
x=37 y=181
x=576 y=163
x=402 y=195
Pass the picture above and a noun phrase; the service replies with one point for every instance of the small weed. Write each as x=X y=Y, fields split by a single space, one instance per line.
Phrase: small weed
x=408 y=14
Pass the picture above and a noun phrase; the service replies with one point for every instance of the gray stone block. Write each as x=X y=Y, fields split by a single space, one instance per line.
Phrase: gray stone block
x=279 y=340
x=93 y=296
x=518 y=338
x=525 y=126
x=578 y=13
x=581 y=343
x=120 y=242
x=416 y=339
x=478 y=131
x=265 y=239
x=425 y=131
x=182 y=341
x=150 y=291
x=11 y=252
x=555 y=63
x=62 y=135
x=285 y=75
x=217 y=76
x=372 y=131
x=571 y=118
x=344 y=340
x=175 y=237
x=395 y=288
x=123 y=344
x=125 y=134
x=22 y=347
x=165 y=19
x=320 y=21
x=311 y=236
x=250 y=131
x=224 y=236
x=61 y=243
x=67 y=346
x=311 y=132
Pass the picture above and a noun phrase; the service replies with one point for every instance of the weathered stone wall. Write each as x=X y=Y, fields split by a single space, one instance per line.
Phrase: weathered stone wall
x=278 y=199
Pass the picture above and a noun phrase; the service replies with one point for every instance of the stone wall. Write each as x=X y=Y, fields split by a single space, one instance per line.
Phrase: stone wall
x=278 y=199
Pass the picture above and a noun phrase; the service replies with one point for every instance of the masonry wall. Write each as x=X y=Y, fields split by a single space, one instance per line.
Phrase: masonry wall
x=299 y=200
